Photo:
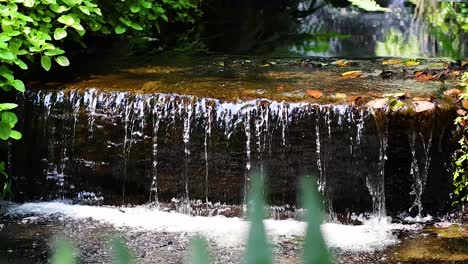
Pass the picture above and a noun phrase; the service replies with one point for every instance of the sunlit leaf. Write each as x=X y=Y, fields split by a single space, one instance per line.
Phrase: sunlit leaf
x=60 y=33
x=351 y=74
x=46 y=62
x=9 y=117
x=15 y=135
x=6 y=55
x=62 y=61
x=412 y=63
x=66 y=19
x=369 y=5
x=120 y=30
x=391 y=62
x=7 y=106
x=341 y=63
x=28 y=3
x=18 y=85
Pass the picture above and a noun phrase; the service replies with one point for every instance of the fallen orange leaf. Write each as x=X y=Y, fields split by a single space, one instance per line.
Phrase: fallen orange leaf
x=314 y=93
x=351 y=74
x=418 y=73
x=341 y=63
x=424 y=77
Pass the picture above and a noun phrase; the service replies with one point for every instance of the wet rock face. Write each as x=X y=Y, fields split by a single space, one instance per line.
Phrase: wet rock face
x=116 y=147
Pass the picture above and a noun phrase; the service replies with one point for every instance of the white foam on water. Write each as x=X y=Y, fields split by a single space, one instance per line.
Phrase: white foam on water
x=228 y=232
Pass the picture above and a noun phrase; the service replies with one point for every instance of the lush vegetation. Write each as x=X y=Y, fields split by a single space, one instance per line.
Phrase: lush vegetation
x=35 y=31
x=460 y=162
x=257 y=250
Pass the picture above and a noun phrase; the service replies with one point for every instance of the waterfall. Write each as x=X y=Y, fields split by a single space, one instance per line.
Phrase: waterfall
x=248 y=162
x=208 y=112
x=153 y=147
x=376 y=183
x=187 y=107
x=157 y=116
x=420 y=145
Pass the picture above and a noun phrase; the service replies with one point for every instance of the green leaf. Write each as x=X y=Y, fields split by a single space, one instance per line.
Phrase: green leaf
x=60 y=33
x=9 y=117
x=369 y=5
x=15 y=135
x=258 y=250
x=7 y=76
x=120 y=252
x=58 y=8
x=28 y=3
x=6 y=55
x=21 y=64
x=85 y=10
x=7 y=106
x=315 y=249
x=120 y=30
x=135 y=8
x=64 y=253
x=18 y=85
x=199 y=251
x=146 y=4
x=67 y=20
x=54 y=52
x=62 y=61
x=46 y=62
x=5 y=130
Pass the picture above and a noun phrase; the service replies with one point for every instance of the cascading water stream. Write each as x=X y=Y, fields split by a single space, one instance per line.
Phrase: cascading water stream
x=376 y=183
x=188 y=110
x=248 y=163
x=420 y=145
x=157 y=116
x=207 y=138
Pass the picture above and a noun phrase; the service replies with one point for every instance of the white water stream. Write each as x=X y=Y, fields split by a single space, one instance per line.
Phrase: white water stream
x=373 y=235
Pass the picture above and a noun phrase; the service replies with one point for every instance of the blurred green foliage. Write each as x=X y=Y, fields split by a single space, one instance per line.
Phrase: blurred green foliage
x=460 y=161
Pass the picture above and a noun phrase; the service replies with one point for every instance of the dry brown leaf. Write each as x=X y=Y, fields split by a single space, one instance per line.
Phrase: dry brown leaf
x=314 y=93
x=351 y=74
x=454 y=93
x=340 y=95
x=424 y=77
x=421 y=106
x=280 y=88
x=391 y=62
x=465 y=103
x=378 y=103
x=354 y=99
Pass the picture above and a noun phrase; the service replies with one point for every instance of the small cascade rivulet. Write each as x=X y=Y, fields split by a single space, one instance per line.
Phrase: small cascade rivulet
x=133 y=148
